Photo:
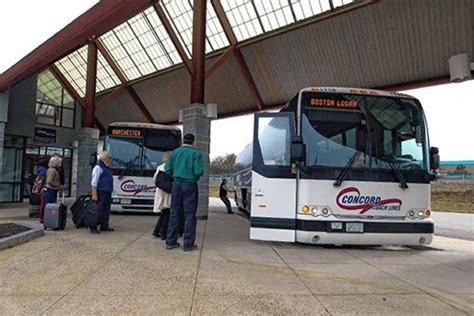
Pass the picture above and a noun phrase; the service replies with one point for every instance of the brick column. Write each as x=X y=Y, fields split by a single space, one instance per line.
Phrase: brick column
x=196 y=123
x=87 y=144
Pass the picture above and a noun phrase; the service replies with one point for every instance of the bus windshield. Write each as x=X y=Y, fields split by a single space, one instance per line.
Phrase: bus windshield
x=143 y=150
x=380 y=131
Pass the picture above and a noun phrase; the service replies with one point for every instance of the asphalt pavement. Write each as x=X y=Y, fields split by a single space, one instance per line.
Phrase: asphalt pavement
x=454 y=225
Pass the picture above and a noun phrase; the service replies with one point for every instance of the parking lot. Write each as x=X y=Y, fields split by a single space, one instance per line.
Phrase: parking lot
x=130 y=272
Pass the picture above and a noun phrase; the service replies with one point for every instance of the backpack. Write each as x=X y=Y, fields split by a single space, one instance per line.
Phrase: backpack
x=38 y=185
x=163 y=181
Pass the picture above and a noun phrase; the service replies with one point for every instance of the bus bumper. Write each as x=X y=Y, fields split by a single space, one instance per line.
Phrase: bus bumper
x=131 y=205
x=374 y=233
x=324 y=238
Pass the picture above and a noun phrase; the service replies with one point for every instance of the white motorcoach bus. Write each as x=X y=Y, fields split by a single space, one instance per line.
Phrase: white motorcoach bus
x=137 y=150
x=340 y=166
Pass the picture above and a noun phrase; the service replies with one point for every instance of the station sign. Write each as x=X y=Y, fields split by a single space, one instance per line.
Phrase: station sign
x=45 y=135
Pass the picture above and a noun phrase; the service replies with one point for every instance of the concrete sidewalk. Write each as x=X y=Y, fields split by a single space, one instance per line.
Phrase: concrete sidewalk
x=130 y=272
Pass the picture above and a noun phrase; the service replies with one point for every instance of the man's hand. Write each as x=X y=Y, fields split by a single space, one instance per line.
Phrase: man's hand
x=94 y=194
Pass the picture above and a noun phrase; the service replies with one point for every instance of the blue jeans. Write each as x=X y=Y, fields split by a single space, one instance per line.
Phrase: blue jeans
x=104 y=201
x=50 y=195
x=184 y=196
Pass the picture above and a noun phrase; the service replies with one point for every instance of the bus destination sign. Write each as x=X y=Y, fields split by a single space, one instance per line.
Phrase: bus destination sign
x=125 y=132
x=332 y=103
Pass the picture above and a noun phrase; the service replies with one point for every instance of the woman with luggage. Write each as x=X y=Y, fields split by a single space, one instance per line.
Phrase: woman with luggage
x=53 y=182
x=162 y=203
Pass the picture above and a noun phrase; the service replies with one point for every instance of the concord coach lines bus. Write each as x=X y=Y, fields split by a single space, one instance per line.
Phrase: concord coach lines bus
x=339 y=166
x=137 y=150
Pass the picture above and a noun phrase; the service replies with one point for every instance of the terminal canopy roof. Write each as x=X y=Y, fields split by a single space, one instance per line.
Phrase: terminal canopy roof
x=258 y=52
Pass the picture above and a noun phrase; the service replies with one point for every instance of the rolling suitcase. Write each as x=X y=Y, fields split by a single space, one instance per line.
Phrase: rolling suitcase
x=79 y=211
x=55 y=215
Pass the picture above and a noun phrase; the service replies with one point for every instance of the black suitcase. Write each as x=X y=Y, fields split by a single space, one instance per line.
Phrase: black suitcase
x=55 y=215
x=79 y=211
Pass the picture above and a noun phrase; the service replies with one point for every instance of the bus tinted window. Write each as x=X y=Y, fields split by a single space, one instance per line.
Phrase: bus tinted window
x=155 y=144
x=383 y=129
x=125 y=152
x=141 y=149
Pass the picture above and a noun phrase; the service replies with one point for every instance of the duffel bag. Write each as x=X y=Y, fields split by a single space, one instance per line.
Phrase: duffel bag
x=92 y=214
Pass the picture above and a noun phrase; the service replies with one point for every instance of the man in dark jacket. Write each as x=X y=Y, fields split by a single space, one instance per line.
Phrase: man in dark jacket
x=223 y=196
x=102 y=186
x=186 y=167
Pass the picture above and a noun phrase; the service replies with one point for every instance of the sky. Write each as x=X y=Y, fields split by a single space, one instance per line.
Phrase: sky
x=449 y=108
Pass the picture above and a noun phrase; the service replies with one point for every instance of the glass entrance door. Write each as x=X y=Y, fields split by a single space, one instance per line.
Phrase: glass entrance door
x=12 y=169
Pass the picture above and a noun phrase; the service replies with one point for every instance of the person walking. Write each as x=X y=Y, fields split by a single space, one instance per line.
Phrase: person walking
x=186 y=166
x=223 y=196
x=162 y=203
x=38 y=186
x=102 y=184
x=52 y=183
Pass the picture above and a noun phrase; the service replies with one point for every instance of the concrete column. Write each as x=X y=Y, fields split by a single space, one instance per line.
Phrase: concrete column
x=87 y=144
x=196 y=123
x=4 y=99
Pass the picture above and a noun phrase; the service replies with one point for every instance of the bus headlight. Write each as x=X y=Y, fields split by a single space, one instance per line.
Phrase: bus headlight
x=421 y=214
x=325 y=212
x=411 y=214
x=305 y=209
x=314 y=211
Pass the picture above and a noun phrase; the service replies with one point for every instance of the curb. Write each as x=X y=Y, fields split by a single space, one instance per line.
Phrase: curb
x=21 y=238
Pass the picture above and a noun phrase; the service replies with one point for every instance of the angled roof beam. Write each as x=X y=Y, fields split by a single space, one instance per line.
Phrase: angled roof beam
x=244 y=69
x=169 y=29
x=220 y=60
x=66 y=85
x=123 y=80
x=70 y=89
x=103 y=102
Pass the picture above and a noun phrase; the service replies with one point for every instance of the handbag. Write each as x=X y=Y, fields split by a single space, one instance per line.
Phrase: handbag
x=163 y=181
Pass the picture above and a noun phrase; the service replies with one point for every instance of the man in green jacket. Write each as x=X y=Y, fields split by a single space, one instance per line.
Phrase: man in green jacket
x=186 y=167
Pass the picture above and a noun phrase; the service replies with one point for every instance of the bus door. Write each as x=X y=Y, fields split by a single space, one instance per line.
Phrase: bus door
x=273 y=202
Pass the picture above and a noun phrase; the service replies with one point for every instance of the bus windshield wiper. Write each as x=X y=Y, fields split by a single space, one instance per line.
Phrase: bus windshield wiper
x=398 y=174
x=350 y=163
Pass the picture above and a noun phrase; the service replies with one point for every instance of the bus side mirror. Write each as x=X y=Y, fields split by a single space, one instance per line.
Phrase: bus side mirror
x=434 y=158
x=298 y=150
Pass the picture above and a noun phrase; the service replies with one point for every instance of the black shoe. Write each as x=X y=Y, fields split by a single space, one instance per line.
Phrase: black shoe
x=193 y=247
x=169 y=247
x=163 y=237
x=230 y=212
x=94 y=231
x=107 y=229
x=156 y=235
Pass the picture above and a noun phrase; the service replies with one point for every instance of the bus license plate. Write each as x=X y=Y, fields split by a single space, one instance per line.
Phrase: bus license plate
x=354 y=227
x=126 y=201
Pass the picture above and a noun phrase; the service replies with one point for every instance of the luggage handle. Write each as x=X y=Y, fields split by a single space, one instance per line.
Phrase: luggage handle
x=61 y=200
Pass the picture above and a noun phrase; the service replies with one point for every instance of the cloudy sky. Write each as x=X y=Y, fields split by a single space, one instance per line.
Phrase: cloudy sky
x=449 y=108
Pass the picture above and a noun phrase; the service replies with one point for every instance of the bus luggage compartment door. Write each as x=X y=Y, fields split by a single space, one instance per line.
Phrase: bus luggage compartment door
x=273 y=215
